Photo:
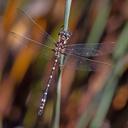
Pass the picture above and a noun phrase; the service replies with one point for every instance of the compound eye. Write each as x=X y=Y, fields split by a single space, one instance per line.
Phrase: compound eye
x=63 y=37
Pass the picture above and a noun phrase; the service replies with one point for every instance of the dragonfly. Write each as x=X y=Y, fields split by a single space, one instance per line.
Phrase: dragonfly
x=80 y=51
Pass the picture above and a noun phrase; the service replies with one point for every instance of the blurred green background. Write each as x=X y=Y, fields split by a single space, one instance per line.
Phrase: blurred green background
x=89 y=99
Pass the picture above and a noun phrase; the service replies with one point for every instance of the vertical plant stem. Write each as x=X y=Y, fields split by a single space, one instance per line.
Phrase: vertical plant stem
x=67 y=13
x=56 y=118
x=100 y=22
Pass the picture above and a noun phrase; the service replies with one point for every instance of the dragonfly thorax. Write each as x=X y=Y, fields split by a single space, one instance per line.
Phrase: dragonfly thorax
x=60 y=45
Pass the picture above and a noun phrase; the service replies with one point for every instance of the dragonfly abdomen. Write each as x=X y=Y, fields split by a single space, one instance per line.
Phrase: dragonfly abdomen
x=45 y=93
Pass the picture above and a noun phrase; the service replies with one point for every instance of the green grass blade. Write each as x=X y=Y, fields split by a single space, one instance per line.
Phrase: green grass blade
x=111 y=84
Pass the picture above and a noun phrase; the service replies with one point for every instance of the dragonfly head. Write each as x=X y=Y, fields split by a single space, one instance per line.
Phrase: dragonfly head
x=64 y=35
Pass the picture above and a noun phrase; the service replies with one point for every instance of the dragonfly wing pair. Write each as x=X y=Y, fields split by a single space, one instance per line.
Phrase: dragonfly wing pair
x=88 y=56
x=83 y=55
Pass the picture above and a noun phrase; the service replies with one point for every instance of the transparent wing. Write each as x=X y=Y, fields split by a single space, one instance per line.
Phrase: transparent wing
x=20 y=36
x=35 y=27
x=90 y=49
x=82 y=63
x=43 y=49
